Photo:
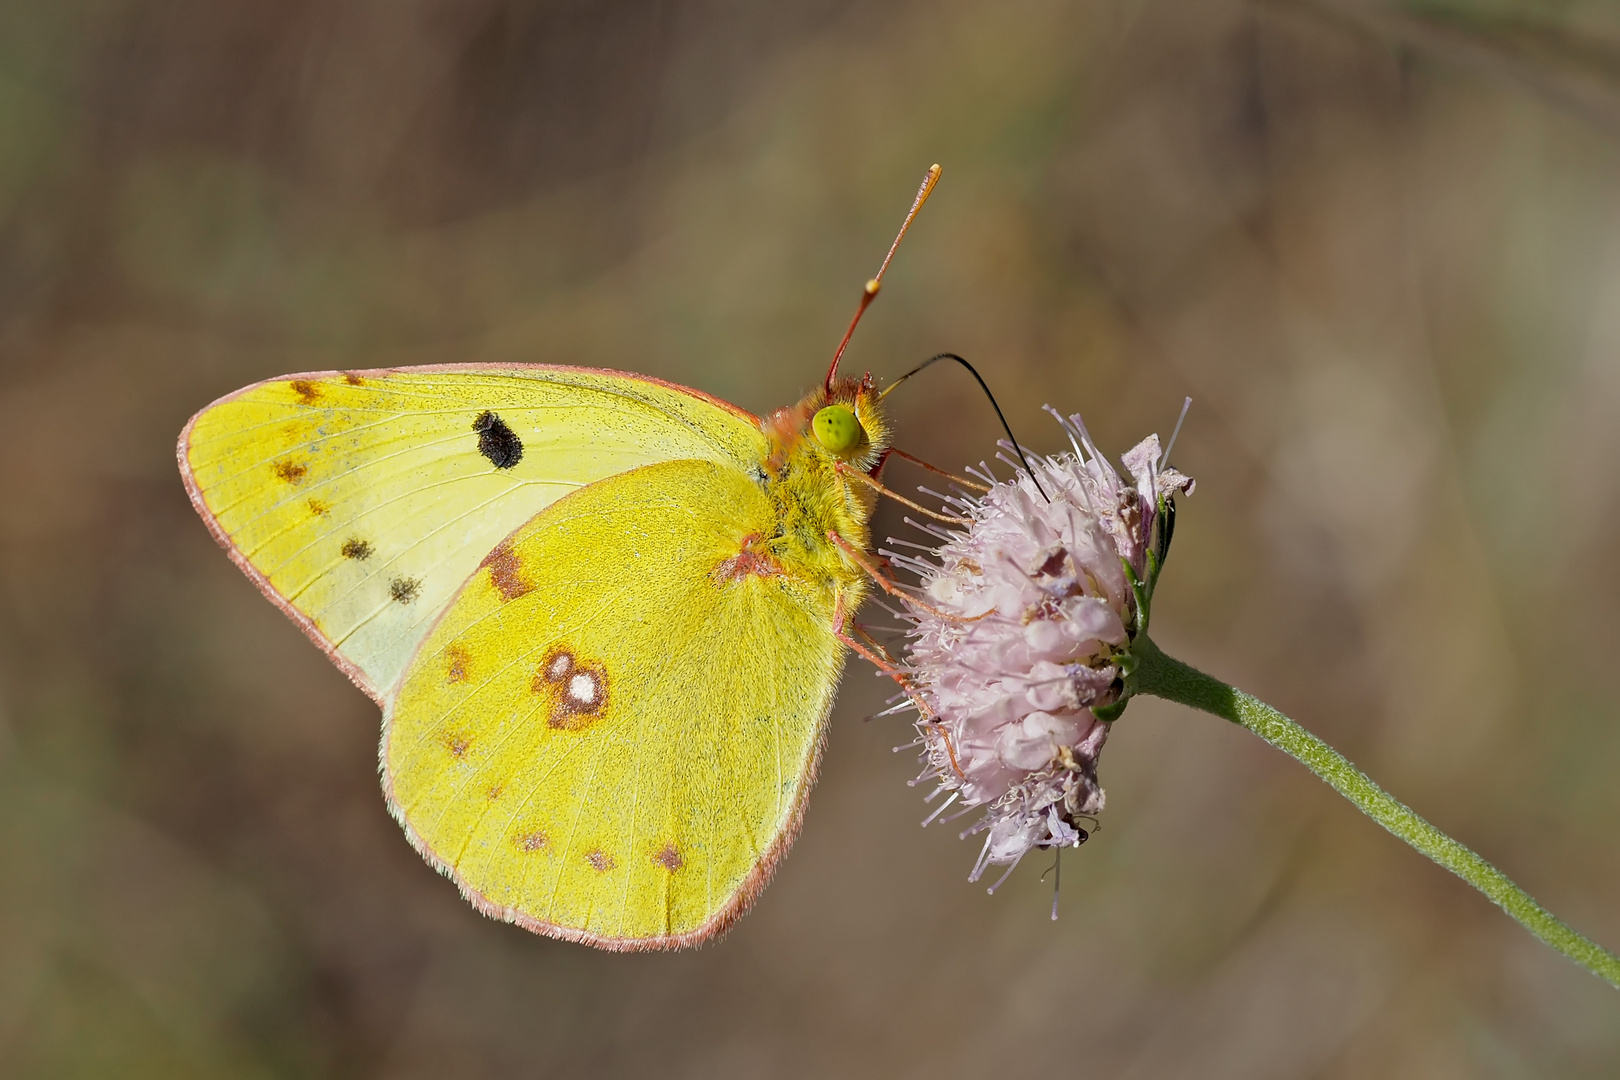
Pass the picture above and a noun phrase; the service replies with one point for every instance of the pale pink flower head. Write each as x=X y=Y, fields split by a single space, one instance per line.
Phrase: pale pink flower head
x=1019 y=655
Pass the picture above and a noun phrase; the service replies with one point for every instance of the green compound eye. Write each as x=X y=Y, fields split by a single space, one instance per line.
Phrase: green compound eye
x=836 y=428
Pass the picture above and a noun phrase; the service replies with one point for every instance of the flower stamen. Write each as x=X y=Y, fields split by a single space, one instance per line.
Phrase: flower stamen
x=940 y=809
x=894 y=589
x=1005 y=874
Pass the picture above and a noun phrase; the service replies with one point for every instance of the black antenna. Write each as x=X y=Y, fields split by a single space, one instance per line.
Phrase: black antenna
x=1019 y=450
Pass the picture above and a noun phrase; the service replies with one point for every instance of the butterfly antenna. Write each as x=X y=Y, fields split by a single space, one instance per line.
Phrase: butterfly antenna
x=1019 y=450
x=869 y=293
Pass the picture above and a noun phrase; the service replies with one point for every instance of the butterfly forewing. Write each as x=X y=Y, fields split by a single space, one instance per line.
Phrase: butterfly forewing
x=361 y=501
x=609 y=734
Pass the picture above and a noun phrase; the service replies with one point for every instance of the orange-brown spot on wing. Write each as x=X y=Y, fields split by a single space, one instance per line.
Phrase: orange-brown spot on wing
x=494 y=792
x=601 y=861
x=749 y=560
x=290 y=471
x=506 y=572
x=352 y=379
x=554 y=668
x=319 y=508
x=308 y=392
x=457 y=743
x=577 y=691
x=533 y=840
x=356 y=548
x=669 y=858
x=457 y=663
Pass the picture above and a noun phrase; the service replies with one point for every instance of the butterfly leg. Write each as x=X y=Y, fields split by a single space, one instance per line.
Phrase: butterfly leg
x=971 y=485
x=876 y=655
x=856 y=474
x=895 y=590
x=945 y=736
x=879 y=658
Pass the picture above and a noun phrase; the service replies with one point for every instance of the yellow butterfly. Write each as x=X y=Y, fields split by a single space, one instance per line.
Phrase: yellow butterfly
x=604 y=615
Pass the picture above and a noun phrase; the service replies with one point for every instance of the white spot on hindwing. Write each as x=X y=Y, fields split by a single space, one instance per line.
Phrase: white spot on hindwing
x=583 y=689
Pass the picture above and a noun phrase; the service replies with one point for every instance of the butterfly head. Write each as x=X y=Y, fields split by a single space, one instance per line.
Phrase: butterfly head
x=847 y=423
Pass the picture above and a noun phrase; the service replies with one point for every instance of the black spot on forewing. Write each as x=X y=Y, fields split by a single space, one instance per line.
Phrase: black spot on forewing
x=356 y=548
x=404 y=589
x=497 y=442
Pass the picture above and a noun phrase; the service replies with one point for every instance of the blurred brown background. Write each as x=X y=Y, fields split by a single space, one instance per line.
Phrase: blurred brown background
x=1378 y=245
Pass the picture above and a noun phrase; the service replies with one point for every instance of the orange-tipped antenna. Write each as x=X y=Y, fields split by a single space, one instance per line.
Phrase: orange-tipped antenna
x=872 y=287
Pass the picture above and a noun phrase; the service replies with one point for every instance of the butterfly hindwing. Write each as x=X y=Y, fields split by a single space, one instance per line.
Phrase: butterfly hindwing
x=361 y=501
x=609 y=733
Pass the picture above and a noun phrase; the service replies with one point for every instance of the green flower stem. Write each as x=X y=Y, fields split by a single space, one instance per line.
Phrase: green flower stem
x=1162 y=676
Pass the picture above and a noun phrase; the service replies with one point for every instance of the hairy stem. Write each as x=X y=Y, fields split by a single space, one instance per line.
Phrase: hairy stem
x=1163 y=676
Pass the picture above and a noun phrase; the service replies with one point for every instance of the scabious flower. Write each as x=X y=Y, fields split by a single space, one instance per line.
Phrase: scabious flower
x=1019 y=652
x=1029 y=633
